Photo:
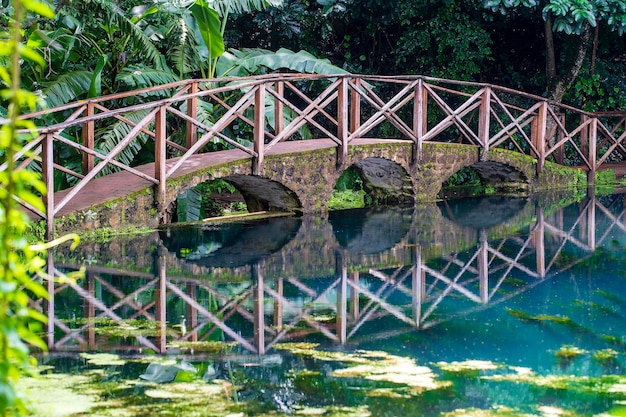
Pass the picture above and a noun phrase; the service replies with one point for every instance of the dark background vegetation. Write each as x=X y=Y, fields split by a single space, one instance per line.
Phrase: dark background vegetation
x=102 y=46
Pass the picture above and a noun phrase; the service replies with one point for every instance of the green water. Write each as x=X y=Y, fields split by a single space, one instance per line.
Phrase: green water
x=493 y=306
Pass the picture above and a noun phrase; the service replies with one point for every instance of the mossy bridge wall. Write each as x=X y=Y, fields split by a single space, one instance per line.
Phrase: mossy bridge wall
x=304 y=181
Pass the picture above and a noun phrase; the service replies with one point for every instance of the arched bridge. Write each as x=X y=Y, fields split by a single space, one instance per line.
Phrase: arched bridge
x=283 y=140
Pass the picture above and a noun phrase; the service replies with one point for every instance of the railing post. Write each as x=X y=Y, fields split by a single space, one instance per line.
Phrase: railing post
x=418 y=286
x=538 y=238
x=538 y=135
x=47 y=171
x=560 y=152
x=259 y=307
x=483 y=267
x=342 y=302
x=88 y=136
x=191 y=311
x=279 y=287
x=584 y=135
x=160 y=301
x=191 y=134
x=420 y=119
x=89 y=308
x=342 y=121
x=355 y=307
x=48 y=307
x=279 y=116
x=259 y=129
x=483 y=123
x=160 y=158
x=591 y=222
x=593 y=136
x=355 y=105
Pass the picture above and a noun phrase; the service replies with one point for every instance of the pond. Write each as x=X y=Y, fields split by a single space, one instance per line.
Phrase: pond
x=483 y=306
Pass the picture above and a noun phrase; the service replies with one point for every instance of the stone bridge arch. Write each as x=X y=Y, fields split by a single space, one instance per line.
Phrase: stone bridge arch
x=312 y=176
x=303 y=181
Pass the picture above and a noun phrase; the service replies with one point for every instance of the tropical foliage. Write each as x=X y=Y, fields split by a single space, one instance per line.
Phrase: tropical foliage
x=20 y=262
x=575 y=18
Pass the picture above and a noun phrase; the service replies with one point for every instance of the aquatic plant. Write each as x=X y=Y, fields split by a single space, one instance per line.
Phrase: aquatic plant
x=468 y=367
x=569 y=352
x=605 y=356
x=208 y=346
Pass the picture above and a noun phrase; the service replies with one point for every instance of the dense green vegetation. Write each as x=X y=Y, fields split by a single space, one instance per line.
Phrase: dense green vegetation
x=20 y=262
x=564 y=49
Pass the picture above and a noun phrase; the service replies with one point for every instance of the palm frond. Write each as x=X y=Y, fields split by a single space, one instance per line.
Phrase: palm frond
x=254 y=61
x=138 y=76
x=223 y=7
x=141 y=41
x=67 y=87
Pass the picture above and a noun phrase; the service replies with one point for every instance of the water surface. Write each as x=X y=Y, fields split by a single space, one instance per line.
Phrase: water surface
x=491 y=306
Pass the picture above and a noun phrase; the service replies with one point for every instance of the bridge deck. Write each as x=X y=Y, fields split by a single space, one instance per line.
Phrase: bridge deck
x=123 y=183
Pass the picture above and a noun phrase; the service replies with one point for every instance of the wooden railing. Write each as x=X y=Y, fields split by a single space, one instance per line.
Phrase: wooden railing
x=254 y=114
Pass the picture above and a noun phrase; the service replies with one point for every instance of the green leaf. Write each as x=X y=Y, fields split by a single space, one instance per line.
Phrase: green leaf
x=39 y=7
x=209 y=24
x=31 y=55
x=189 y=204
x=95 y=87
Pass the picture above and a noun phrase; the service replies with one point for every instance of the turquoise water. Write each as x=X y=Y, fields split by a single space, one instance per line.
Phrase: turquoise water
x=492 y=306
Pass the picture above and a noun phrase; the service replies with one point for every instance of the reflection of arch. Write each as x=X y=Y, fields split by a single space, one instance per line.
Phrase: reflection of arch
x=367 y=231
x=231 y=245
x=483 y=212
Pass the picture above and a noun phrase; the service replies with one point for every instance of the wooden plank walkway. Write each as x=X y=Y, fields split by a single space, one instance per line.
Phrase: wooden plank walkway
x=121 y=184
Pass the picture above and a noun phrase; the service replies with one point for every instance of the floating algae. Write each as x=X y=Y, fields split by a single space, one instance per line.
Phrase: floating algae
x=103 y=359
x=120 y=327
x=468 y=366
x=569 y=352
x=605 y=356
x=373 y=366
x=209 y=346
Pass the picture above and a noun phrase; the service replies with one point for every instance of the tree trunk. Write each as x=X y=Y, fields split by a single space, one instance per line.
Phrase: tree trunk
x=566 y=78
x=550 y=54
x=594 y=49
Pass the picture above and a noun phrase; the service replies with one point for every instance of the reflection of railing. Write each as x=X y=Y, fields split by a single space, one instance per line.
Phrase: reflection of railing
x=257 y=313
x=254 y=115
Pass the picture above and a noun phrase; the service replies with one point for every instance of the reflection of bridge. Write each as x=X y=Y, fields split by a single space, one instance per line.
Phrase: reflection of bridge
x=258 y=121
x=257 y=312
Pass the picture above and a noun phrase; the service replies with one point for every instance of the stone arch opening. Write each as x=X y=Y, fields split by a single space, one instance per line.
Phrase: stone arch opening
x=263 y=194
x=484 y=178
x=378 y=182
x=211 y=198
x=230 y=195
